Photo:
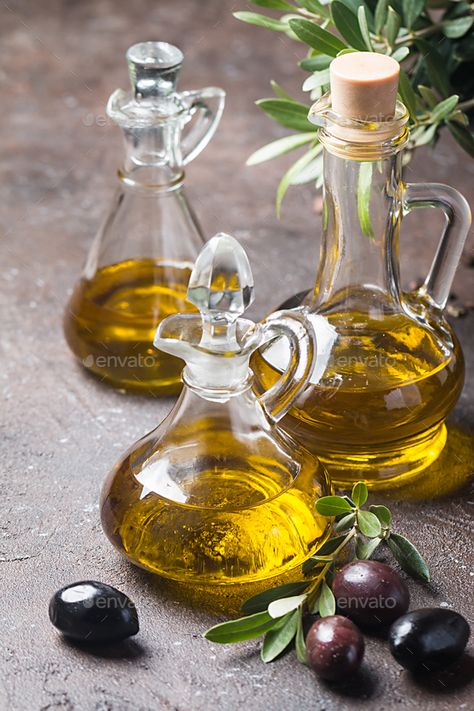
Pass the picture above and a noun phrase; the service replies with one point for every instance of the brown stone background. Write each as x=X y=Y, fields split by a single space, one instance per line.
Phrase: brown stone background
x=62 y=431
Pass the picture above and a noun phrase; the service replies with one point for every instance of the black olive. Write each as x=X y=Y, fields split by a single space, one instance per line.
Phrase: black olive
x=93 y=612
x=335 y=647
x=428 y=639
x=371 y=593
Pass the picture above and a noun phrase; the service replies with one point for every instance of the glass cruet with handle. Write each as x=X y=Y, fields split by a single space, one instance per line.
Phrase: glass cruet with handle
x=218 y=496
x=389 y=367
x=139 y=264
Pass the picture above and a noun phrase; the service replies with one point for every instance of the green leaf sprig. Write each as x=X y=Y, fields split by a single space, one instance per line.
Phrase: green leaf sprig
x=277 y=614
x=434 y=41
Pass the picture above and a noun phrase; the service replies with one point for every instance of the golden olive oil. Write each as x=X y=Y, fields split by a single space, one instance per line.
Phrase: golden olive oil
x=377 y=411
x=216 y=519
x=111 y=320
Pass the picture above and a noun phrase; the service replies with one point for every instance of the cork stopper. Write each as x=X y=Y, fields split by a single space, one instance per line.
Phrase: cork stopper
x=364 y=86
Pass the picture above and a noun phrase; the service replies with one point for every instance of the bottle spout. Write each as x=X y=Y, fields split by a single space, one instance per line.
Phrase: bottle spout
x=153 y=68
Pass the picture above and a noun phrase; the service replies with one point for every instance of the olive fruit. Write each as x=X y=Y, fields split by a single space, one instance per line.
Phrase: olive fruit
x=335 y=647
x=428 y=639
x=370 y=593
x=93 y=612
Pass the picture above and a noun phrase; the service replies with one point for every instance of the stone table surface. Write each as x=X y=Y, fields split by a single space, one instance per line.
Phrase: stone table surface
x=62 y=430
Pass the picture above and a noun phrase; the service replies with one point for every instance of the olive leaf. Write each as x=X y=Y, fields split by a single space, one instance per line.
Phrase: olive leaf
x=383 y=514
x=408 y=557
x=241 y=629
x=281 y=607
x=412 y=9
x=381 y=12
x=327 y=601
x=291 y=114
x=368 y=524
x=393 y=25
x=274 y=4
x=360 y=494
x=300 y=645
x=279 y=637
x=317 y=38
x=280 y=147
x=345 y=522
x=364 y=27
x=365 y=549
x=332 y=505
x=346 y=22
x=444 y=109
x=254 y=18
x=260 y=602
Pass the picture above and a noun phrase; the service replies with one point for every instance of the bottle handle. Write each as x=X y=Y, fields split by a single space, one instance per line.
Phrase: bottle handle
x=205 y=111
x=292 y=325
x=448 y=254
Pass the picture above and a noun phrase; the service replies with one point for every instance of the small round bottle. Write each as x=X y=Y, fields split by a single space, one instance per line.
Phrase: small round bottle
x=139 y=264
x=218 y=497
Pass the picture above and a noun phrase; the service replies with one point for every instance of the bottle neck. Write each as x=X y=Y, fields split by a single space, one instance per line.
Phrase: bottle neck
x=359 y=251
x=153 y=157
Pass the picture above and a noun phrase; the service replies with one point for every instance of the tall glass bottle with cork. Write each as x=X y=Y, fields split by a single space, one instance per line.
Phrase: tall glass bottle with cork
x=138 y=268
x=389 y=366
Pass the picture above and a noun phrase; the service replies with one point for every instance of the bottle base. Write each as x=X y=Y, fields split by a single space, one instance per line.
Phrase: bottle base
x=385 y=468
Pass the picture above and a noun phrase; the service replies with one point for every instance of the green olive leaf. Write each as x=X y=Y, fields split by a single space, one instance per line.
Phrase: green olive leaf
x=291 y=114
x=280 y=147
x=300 y=645
x=369 y=524
x=327 y=601
x=345 y=522
x=365 y=549
x=364 y=28
x=316 y=64
x=317 y=38
x=444 y=109
x=408 y=557
x=277 y=639
x=281 y=607
x=316 y=7
x=381 y=12
x=254 y=18
x=383 y=514
x=260 y=602
x=393 y=26
x=412 y=9
x=457 y=27
x=360 y=494
x=346 y=22
x=242 y=629
x=332 y=505
x=273 y=4
x=407 y=93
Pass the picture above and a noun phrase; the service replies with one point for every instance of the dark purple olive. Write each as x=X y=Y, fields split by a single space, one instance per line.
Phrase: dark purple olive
x=93 y=612
x=335 y=647
x=428 y=639
x=372 y=594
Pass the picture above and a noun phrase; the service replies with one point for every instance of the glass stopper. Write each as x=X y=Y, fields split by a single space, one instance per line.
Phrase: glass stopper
x=221 y=286
x=153 y=68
